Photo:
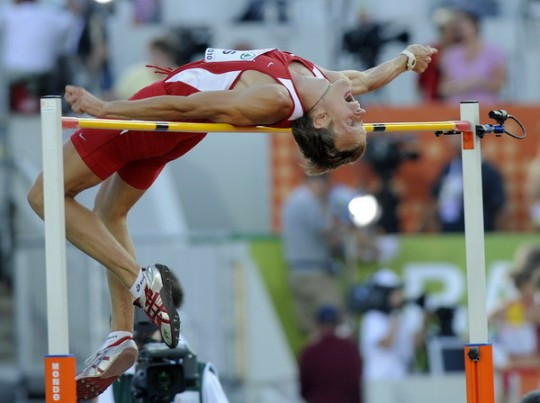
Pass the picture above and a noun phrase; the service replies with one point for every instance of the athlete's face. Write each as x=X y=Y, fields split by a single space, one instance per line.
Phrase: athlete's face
x=346 y=114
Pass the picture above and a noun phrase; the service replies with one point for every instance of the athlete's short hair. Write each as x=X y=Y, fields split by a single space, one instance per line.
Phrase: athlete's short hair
x=319 y=148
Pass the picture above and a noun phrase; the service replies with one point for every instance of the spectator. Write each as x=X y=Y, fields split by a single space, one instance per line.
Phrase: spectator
x=308 y=240
x=533 y=190
x=161 y=55
x=472 y=69
x=447 y=191
x=516 y=327
x=516 y=320
x=30 y=54
x=388 y=337
x=330 y=366
x=527 y=258
x=90 y=63
x=429 y=80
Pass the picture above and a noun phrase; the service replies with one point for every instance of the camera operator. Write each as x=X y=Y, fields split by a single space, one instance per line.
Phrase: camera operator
x=164 y=375
x=388 y=336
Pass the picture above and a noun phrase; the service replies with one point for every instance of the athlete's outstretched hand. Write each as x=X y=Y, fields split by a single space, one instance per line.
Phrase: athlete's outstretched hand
x=82 y=101
x=423 y=56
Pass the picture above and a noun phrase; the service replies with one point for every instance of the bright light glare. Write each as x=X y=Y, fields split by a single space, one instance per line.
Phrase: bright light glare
x=103 y=1
x=364 y=210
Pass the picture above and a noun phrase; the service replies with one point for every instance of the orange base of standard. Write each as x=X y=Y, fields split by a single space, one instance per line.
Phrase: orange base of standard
x=479 y=373
x=60 y=371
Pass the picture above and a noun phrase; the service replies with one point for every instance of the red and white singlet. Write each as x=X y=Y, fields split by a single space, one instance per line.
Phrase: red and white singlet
x=221 y=69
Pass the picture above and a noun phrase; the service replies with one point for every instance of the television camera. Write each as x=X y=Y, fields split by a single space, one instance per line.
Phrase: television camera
x=372 y=296
x=161 y=372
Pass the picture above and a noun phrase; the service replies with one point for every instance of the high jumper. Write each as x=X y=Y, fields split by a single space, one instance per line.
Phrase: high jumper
x=244 y=88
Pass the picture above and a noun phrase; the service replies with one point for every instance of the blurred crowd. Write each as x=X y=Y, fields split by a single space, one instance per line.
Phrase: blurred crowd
x=65 y=45
x=366 y=335
x=336 y=254
x=70 y=44
x=515 y=323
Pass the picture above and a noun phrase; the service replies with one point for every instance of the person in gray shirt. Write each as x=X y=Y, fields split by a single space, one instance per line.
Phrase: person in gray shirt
x=308 y=238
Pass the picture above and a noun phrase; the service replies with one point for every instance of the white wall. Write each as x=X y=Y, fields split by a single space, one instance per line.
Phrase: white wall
x=224 y=183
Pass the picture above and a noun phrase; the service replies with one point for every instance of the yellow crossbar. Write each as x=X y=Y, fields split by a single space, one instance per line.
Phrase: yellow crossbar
x=142 y=125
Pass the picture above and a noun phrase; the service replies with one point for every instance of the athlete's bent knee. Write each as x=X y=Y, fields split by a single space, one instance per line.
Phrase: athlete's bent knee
x=110 y=216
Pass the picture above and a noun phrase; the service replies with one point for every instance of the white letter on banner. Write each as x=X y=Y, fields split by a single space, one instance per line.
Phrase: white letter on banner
x=451 y=277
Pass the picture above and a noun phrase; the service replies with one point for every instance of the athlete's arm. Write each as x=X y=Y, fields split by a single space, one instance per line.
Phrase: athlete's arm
x=255 y=105
x=378 y=76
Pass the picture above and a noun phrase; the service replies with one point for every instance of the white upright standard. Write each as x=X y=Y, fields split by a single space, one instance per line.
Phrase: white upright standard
x=59 y=365
x=474 y=226
x=478 y=353
x=55 y=231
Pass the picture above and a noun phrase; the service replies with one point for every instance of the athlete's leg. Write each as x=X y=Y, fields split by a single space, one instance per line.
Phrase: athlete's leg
x=84 y=228
x=113 y=202
x=101 y=234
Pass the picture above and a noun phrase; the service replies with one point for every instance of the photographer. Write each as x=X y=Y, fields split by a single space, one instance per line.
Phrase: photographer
x=164 y=375
x=388 y=336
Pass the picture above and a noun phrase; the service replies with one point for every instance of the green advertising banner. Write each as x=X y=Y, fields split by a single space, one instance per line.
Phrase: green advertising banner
x=432 y=264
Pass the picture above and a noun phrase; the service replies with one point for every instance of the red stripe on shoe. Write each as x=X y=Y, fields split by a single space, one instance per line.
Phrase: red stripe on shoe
x=119 y=341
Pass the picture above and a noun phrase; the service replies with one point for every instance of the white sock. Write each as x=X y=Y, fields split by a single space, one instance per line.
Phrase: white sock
x=113 y=336
x=138 y=286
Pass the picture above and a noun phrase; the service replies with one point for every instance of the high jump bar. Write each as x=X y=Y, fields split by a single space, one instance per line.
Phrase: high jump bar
x=479 y=379
x=187 y=127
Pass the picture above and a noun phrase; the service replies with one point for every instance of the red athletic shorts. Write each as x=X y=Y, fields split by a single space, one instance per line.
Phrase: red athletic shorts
x=138 y=157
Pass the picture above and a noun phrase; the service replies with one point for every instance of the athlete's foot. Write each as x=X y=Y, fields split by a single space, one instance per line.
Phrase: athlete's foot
x=105 y=366
x=157 y=302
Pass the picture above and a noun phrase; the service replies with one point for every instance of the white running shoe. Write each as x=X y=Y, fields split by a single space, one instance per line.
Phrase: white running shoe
x=105 y=366
x=157 y=302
